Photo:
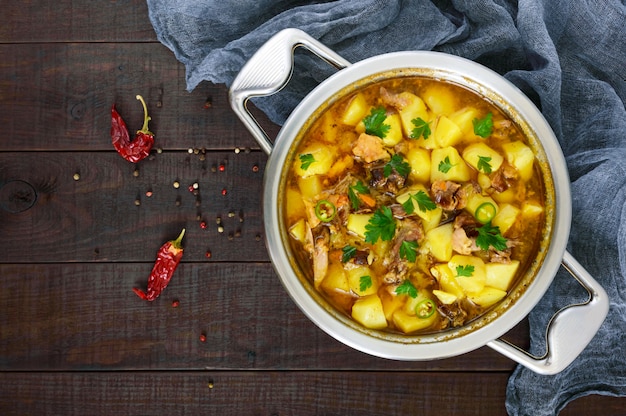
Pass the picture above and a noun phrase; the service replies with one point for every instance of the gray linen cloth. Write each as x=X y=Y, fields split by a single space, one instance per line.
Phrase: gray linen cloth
x=568 y=56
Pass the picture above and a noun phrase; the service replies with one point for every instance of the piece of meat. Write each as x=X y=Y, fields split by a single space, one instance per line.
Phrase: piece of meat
x=455 y=314
x=387 y=184
x=370 y=148
x=463 y=194
x=444 y=194
x=321 y=245
x=461 y=243
x=503 y=178
x=398 y=101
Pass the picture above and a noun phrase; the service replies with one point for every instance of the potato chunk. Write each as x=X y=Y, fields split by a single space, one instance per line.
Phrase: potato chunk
x=520 y=156
x=310 y=186
x=357 y=222
x=336 y=279
x=506 y=217
x=419 y=160
x=408 y=323
x=464 y=119
x=369 y=312
x=447 y=165
x=440 y=99
x=314 y=160
x=394 y=134
x=439 y=242
x=361 y=281
x=501 y=275
x=413 y=108
x=487 y=296
x=298 y=230
x=470 y=272
x=482 y=157
x=356 y=109
x=445 y=297
x=447 y=133
x=446 y=279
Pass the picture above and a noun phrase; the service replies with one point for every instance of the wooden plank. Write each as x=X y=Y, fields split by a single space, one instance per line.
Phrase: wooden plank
x=75 y=21
x=86 y=317
x=95 y=217
x=59 y=97
x=253 y=393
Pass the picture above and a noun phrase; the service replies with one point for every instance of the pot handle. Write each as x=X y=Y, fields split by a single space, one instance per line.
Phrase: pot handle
x=569 y=330
x=269 y=70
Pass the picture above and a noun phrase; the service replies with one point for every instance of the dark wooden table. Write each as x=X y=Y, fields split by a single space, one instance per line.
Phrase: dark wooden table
x=79 y=231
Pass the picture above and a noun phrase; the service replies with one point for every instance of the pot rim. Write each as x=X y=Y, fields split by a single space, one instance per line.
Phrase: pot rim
x=527 y=293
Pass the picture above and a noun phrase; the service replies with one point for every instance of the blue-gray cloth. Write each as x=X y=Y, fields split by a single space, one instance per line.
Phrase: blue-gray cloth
x=568 y=56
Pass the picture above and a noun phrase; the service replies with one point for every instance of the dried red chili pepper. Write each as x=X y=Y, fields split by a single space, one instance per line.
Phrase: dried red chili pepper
x=167 y=260
x=140 y=146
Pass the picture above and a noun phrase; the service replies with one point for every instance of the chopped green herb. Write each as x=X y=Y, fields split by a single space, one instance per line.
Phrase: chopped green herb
x=407 y=288
x=348 y=252
x=484 y=126
x=382 y=225
x=365 y=282
x=408 y=250
x=445 y=165
x=465 y=271
x=422 y=128
x=306 y=160
x=424 y=203
x=374 y=123
x=490 y=236
x=398 y=164
x=353 y=191
x=483 y=164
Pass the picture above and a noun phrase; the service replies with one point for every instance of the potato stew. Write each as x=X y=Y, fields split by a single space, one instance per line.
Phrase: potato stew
x=413 y=205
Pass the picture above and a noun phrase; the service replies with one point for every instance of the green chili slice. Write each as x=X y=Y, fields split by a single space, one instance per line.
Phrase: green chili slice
x=325 y=210
x=425 y=309
x=485 y=212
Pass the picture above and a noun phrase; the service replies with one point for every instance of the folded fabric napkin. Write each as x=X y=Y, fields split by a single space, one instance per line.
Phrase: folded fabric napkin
x=568 y=56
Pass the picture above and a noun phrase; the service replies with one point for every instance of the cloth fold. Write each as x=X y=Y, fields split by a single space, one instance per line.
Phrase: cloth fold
x=568 y=57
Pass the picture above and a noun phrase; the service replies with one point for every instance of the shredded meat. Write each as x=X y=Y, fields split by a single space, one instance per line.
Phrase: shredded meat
x=395 y=100
x=387 y=184
x=455 y=314
x=503 y=178
x=451 y=195
x=461 y=243
x=444 y=194
x=321 y=242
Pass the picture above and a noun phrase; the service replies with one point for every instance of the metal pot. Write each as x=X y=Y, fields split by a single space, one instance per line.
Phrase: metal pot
x=569 y=330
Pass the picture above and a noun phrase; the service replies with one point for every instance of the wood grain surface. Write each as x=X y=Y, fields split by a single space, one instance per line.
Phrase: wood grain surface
x=81 y=226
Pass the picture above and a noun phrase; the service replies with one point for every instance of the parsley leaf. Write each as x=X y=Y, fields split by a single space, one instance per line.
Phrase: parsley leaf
x=365 y=282
x=483 y=164
x=353 y=191
x=408 y=250
x=306 y=160
x=465 y=271
x=422 y=128
x=348 y=252
x=489 y=235
x=445 y=165
x=407 y=288
x=398 y=164
x=382 y=224
x=484 y=126
x=374 y=123
x=424 y=203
